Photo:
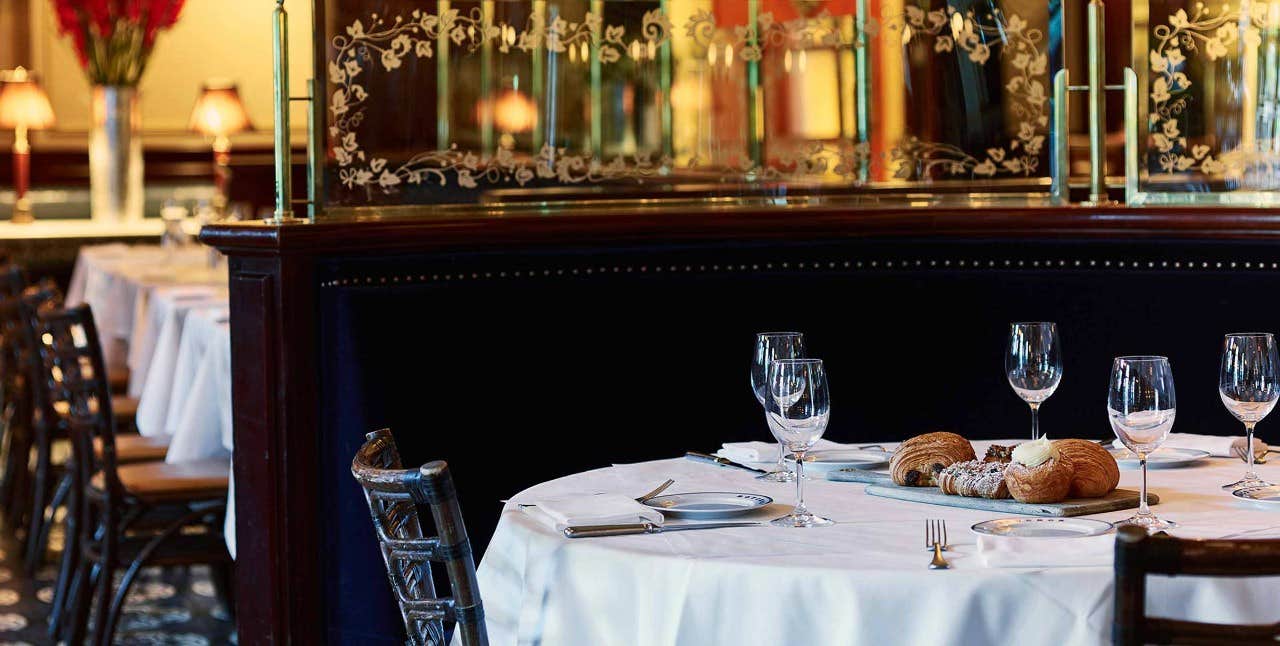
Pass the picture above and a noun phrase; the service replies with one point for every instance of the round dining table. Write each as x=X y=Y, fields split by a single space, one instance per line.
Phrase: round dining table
x=863 y=580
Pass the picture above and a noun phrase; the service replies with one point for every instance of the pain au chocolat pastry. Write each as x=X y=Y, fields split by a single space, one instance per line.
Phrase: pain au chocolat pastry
x=920 y=458
x=1096 y=471
x=974 y=479
x=1039 y=473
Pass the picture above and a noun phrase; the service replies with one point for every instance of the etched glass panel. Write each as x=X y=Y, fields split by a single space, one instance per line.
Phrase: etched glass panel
x=1209 y=129
x=500 y=101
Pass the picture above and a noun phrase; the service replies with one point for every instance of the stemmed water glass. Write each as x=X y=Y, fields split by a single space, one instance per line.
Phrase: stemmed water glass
x=1141 y=404
x=800 y=405
x=771 y=346
x=1248 y=388
x=1033 y=364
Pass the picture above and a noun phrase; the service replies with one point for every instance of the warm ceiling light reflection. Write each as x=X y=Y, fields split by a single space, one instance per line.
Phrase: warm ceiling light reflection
x=512 y=112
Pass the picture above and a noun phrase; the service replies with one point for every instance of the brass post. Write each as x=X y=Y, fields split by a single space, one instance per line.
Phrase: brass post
x=315 y=154
x=1097 y=103
x=1061 y=138
x=284 y=164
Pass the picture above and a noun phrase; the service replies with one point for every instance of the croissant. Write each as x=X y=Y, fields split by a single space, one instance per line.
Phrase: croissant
x=1096 y=471
x=919 y=459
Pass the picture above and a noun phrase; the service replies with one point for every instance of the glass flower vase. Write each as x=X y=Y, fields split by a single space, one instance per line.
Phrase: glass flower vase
x=115 y=155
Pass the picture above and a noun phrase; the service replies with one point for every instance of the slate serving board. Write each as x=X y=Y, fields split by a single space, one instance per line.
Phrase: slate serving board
x=881 y=485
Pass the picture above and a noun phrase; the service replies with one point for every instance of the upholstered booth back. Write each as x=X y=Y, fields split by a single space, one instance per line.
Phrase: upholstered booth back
x=522 y=367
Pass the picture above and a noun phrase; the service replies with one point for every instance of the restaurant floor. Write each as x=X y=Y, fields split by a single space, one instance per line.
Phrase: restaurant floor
x=165 y=608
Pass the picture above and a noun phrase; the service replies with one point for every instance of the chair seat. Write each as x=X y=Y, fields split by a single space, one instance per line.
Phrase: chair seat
x=161 y=481
x=118 y=382
x=124 y=408
x=136 y=448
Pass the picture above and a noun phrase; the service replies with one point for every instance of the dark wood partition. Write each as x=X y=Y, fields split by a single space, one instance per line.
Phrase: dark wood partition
x=525 y=347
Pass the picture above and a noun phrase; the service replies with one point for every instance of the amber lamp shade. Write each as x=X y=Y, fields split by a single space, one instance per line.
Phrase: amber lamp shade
x=23 y=106
x=219 y=113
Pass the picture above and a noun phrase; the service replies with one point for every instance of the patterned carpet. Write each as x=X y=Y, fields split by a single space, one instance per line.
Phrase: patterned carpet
x=176 y=607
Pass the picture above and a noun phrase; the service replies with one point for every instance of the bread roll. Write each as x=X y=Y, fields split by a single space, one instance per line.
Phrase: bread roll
x=920 y=458
x=1096 y=472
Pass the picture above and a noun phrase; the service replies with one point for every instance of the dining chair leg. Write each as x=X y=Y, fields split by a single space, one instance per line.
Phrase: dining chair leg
x=6 y=447
x=15 y=513
x=70 y=561
x=49 y=520
x=102 y=598
x=79 y=602
x=40 y=492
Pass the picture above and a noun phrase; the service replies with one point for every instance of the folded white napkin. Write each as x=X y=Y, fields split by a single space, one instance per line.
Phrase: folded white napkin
x=767 y=451
x=1008 y=551
x=1218 y=446
x=600 y=509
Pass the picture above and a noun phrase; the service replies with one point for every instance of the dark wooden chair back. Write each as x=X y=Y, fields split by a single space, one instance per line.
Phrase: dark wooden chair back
x=1138 y=555
x=18 y=358
x=37 y=299
x=394 y=494
x=74 y=378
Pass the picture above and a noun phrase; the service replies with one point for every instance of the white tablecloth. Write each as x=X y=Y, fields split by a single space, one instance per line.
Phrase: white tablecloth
x=862 y=581
x=117 y=280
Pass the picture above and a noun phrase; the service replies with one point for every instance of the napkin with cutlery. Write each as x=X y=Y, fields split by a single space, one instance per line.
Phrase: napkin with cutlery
x=600 y=509
x=767 y=451
x=1016 y=552
x=1219 y=446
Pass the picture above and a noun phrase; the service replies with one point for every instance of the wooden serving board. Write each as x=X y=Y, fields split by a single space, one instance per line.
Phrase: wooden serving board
x=881 y=485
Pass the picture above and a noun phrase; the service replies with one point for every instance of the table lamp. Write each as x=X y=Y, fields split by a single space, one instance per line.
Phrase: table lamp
x=219 y=113
x=23 y=106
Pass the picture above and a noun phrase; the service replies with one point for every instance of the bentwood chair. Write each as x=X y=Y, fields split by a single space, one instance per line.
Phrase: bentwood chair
x=130 y=516
x=1138 y=555
x=394 y=494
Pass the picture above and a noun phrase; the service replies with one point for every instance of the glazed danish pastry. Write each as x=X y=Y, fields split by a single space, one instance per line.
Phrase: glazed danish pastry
x=1039 y=473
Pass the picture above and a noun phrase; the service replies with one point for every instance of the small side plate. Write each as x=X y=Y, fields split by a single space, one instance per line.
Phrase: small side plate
x=836 y=459
x=1042 y=527
x=708 y=504
x=1161 y=458
x=1268 y=496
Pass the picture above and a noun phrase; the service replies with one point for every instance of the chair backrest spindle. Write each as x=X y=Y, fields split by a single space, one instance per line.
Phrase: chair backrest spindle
x=394 y=495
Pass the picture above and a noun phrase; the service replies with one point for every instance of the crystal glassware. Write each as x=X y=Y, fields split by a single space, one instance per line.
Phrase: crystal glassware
x=1142 y=404
x=1033 y=364
x=800 y=406
x=1248 y=388
x=771 y=346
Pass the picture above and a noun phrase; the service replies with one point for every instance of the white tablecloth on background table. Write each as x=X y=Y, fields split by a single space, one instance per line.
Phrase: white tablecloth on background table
x=117 y=280
x=862 y=581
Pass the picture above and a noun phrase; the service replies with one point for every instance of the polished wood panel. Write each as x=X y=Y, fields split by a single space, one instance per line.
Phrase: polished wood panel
x=501 y=228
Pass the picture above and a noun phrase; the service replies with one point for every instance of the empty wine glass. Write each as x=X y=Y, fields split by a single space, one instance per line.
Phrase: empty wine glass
x=800 y=406
x=1033 y=364
x=1141 y=404
x=1248 y=388
x=771 y=346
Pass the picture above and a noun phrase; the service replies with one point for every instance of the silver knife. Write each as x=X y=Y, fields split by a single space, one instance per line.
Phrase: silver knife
x=724 y=462
x=589 y=531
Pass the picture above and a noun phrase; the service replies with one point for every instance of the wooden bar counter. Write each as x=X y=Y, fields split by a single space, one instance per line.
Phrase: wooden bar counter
x=525 y=346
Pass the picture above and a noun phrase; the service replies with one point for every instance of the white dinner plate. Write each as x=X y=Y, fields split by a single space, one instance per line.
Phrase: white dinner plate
x=836 y=459
x=708 y=504
x=1268 y=496
x=1042 y=527
x=1161 y=458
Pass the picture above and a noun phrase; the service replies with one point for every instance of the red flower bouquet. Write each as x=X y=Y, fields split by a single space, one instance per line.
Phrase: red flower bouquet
x=113 y=38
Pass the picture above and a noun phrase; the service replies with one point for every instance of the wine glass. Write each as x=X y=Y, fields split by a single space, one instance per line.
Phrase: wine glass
x=1033 y=364
x=771 y=346
x=800 y=406
x=1141 y=405
x=1248 y=388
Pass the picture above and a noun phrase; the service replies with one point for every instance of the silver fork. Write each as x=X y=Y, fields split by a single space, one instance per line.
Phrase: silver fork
x=935 y=538
x=652 y=494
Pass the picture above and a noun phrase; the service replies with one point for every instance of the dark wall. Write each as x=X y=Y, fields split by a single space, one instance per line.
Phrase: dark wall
x=516 y=379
